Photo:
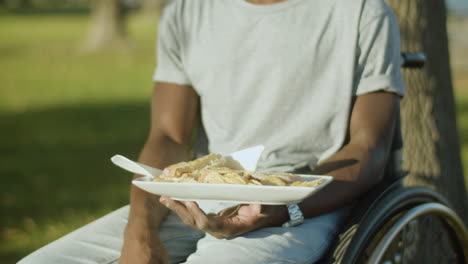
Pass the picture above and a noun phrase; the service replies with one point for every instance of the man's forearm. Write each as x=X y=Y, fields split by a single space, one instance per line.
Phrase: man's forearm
x=145 y=210
x=361 y=162
x=355 y=169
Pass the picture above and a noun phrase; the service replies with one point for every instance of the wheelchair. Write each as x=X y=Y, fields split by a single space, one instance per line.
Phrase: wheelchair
x=384 y=225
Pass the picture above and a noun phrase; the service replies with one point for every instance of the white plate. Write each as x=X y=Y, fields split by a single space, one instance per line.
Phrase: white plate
x=214 y=197
x=233 y=193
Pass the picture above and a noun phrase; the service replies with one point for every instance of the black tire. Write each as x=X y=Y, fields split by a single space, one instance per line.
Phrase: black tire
x=359 y=231
x=427 y=233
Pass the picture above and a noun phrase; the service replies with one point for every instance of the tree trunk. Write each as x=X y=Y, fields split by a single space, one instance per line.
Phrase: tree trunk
x=431 y=144
x=432 y=150
x=152 y=8
x=17 y=4
x=107 y=25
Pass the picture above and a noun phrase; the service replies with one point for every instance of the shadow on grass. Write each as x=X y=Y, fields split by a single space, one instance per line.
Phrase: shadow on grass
x=54 y=165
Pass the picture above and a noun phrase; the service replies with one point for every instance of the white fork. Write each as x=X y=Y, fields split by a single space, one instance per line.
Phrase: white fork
x=135 y=167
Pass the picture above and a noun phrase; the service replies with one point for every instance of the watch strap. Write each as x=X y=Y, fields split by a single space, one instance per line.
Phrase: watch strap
x=295 y=216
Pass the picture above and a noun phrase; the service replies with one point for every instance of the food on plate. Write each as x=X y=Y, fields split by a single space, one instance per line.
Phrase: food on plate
x=212 y=169
x=178 y=169
x=280 y=178
x=314 y=183
x=273 y=180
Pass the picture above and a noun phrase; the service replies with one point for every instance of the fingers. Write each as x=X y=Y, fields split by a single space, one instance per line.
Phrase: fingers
x=193 y=216
x=231 y=211
x=201 y=219
x=180 y=209
x=189 y=213
x=230 y=222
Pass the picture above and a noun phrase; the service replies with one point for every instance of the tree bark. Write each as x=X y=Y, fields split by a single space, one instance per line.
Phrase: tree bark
x=432 y=149
x=107 y=25
x=431 y=143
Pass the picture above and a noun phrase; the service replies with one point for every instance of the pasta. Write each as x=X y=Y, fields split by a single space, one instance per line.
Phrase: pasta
x=211 y=169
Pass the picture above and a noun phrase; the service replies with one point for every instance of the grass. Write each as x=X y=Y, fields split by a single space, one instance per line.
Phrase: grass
x=461 y=99
x=64 y=113
x=458 y=35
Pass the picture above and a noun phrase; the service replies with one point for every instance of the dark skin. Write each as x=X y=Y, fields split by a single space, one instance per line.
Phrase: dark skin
x=173 y=114
x=356 y=167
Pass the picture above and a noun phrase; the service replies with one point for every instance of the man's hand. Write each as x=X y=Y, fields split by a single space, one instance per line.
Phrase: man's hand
x=230 y=222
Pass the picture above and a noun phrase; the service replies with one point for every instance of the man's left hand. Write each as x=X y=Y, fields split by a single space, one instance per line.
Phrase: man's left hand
x=230 y=222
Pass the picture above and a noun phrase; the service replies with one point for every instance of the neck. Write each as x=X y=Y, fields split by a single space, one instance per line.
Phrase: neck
x=265 y=2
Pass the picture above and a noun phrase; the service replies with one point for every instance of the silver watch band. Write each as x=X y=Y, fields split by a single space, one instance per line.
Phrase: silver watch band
x=295 y=216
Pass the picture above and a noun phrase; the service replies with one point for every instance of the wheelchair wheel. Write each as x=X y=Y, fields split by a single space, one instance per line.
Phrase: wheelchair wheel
x=408 y=240
x=392 y=229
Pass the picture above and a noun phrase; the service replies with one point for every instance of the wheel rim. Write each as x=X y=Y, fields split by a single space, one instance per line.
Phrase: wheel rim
x=449 y=217
x=402 y=200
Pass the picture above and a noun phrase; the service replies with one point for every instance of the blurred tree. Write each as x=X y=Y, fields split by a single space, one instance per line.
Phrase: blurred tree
x=152 y=8
x=107 y=25
x=16 y=4
x=432 y=152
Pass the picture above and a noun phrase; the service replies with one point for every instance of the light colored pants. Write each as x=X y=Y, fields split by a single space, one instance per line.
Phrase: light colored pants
x=101 y=242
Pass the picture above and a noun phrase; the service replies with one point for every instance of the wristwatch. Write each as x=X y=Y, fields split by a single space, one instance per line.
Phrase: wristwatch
x=295 y=216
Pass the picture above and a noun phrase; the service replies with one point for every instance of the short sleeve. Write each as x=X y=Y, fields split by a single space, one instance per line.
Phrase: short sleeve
x=379 y=57
x=170 y=66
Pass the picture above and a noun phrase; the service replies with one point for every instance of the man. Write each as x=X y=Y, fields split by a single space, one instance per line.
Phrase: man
x=316 y=82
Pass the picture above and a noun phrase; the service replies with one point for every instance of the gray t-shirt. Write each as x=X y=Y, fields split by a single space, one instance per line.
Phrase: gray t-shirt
x=282 y=75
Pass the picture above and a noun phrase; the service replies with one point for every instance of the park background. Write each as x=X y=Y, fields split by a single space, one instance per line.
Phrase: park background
x=67 y=106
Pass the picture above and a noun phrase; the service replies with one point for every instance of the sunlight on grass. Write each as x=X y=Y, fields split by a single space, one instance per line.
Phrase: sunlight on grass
x=64 y=114
x=46 y=67
x=458 y=36
x=29 y=235
x=461 y=96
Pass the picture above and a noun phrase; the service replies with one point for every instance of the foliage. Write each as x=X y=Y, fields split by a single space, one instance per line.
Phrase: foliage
x=59 y=5
x=45 y=4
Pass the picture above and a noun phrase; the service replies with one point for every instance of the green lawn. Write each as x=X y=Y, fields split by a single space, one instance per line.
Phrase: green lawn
x=63 y=114
x=460 y=75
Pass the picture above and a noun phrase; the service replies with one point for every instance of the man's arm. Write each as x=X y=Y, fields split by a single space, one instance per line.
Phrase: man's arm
x=361 y=162
x=173 y=114
x=356 y=167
